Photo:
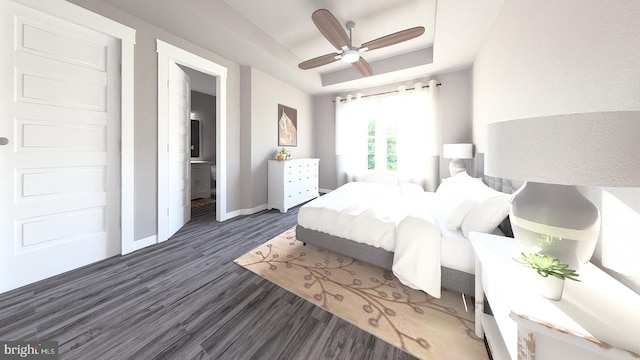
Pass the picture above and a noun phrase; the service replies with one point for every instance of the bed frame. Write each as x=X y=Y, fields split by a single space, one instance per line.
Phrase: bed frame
x=451 y=279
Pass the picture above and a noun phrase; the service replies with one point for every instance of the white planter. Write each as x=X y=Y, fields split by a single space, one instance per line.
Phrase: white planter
x=550 y=287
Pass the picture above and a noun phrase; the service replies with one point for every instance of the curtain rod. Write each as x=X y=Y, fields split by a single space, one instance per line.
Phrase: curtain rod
x=390 y=92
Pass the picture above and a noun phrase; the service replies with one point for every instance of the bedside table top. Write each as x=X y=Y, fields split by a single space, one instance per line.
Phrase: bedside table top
x=598 y=309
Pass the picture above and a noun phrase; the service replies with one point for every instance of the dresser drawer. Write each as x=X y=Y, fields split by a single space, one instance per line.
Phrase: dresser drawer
x=292 y=182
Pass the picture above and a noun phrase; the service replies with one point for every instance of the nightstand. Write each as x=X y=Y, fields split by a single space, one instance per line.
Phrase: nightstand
x=597 y=318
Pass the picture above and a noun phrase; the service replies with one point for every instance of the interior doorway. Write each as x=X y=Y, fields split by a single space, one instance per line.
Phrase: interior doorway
x=203 y=138
x=203 y=146
x=168 y=54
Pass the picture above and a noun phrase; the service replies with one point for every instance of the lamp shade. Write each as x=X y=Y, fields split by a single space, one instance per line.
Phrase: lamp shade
x=587 y=149
x=553 y=155
x=457 y=151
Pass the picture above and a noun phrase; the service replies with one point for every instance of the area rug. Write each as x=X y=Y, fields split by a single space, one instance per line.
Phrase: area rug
x=202 y=202
x=369 y=297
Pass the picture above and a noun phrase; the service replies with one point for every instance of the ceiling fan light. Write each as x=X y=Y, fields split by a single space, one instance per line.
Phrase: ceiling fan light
x=350 y=56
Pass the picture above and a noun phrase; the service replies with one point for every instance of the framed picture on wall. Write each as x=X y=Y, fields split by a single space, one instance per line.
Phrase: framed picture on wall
x=287 y=126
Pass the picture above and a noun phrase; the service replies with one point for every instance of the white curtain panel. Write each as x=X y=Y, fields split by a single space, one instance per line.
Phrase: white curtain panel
x=352 y=113
x=413 y=132
x=418 y=133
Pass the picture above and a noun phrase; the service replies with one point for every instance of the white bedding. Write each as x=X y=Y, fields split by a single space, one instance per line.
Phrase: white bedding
x=424 y=230
x=368 y=213
x=372 y=213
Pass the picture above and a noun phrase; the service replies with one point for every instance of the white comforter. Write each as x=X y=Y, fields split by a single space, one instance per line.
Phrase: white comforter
x=416 y=259
x=387 y=217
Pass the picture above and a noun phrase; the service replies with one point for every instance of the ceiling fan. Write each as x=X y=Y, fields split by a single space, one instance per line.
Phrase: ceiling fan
x=337 y=36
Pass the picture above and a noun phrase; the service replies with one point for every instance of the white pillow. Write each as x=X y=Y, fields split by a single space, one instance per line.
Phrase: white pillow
x=487 y=215
x=456 y=195
x=462 y=186
x=453 y=182
x=455 y=212
x=410 y=188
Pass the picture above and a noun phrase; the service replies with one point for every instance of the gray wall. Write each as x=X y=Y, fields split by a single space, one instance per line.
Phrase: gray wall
x=201 y=82
x=261 y=126
x=454 y=112
x=204 y=107
x=568 y=56
x=203 y=103
x=146 y=115
x=251 y=129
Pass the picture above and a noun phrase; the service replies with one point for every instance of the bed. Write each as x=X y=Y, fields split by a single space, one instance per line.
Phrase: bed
x=420 y=236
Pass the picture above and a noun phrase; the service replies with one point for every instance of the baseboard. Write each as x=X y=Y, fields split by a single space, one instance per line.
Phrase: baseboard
x=241 y=212
x=325 y=191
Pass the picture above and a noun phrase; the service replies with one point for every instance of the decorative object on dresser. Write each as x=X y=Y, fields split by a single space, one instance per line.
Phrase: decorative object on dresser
x=457 y=152
x=554 y=154
x=283 y=154
x=292 y=182
x=597 y=318
x=200 y=179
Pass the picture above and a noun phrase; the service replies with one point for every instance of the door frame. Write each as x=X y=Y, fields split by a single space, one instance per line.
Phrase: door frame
x=169 y=53
x=126 y=35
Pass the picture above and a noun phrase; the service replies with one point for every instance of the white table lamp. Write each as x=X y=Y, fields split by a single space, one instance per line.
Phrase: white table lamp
x=457 y=152
x=553 y=155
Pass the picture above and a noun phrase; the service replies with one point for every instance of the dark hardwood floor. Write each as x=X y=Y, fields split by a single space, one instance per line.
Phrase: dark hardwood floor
x=184 y=299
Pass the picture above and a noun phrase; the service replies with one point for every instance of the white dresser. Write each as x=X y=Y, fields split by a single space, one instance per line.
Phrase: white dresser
x=292 y=182
x=200 y=179
x=597 y=318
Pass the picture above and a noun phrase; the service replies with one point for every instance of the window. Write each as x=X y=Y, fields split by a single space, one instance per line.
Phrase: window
x=396 y=132
x=382 y=140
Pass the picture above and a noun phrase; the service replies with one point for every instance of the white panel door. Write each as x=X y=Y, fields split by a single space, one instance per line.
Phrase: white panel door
x=179 y=148
x=60 y=160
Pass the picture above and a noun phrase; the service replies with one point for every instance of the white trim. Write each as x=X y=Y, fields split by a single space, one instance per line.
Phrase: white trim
x=127 y=145
x=167 y=53
x=251 y=211
x=127 y=36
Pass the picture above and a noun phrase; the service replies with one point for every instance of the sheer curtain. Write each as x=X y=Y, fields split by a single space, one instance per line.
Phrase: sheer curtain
x=414 y=113
x=352 y=113
x=418 y=135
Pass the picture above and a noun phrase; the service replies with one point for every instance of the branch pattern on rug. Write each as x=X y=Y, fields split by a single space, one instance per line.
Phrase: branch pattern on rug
x=331 y=278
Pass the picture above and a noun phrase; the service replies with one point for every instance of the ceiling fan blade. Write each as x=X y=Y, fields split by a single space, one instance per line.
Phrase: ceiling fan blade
x=330 y=28
x=363 y=67
x=394 y=38
x=319 y=61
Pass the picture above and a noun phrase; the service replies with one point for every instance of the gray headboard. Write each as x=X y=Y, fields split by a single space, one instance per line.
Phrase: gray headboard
x=503 y=185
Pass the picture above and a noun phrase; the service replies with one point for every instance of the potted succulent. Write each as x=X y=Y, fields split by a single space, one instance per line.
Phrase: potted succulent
x=552 y=273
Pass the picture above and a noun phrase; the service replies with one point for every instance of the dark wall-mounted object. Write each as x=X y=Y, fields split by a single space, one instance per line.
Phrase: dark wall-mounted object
x=195 y=138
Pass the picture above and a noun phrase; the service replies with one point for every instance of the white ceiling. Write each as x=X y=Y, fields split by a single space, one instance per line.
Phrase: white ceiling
x=275 y=36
